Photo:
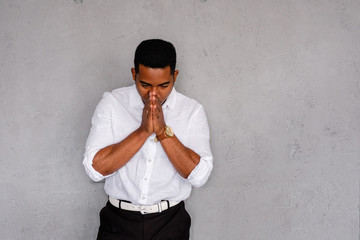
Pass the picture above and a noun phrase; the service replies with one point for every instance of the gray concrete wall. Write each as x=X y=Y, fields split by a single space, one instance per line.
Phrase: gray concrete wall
x=280 y=82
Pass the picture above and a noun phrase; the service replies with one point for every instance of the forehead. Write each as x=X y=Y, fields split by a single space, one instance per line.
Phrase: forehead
x=154 y=75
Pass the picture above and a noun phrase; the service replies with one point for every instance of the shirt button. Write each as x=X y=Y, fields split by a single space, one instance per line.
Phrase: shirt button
x=149 y=160
x=143 y=197
x=145 y=179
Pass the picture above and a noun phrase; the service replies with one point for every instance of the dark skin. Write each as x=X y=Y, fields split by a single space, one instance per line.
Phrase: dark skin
x=154 y=86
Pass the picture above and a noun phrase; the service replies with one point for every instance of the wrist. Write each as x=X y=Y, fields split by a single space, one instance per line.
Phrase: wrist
x=167 y=132
x=143 y=133
x=160 y=131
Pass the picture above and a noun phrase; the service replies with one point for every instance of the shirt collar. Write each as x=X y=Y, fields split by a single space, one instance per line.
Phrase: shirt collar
x=136 y=101
x=171 y=100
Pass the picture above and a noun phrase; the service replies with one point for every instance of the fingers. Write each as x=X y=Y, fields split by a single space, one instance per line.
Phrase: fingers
x=155 y=103
x=147 y=107
x=147 y=117
x=158 y=117
x=153 y=98
x=153 y=118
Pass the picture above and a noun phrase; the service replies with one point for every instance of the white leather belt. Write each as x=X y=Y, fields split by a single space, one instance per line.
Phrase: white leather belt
x=156 y=208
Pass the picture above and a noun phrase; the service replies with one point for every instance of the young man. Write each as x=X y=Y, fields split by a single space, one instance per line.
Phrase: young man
x=151 y=145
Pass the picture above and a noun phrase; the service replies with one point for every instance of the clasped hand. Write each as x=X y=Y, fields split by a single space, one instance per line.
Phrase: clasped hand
x=153 y=117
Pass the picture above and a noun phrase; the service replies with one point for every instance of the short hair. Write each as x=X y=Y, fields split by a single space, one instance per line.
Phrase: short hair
x=155 y=53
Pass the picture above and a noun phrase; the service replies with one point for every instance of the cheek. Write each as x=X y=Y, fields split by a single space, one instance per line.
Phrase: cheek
x=164 y=94
x=143 y=93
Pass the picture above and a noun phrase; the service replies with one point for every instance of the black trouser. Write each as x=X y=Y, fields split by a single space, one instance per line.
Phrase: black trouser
x=173 y=223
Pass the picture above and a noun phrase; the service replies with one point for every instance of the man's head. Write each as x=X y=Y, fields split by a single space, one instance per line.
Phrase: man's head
x=154 y=68
x=155 y=53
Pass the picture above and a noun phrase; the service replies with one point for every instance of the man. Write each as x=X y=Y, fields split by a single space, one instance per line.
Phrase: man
x=151 y=145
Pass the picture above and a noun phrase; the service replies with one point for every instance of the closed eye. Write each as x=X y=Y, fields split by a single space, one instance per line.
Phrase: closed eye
x=144 y=84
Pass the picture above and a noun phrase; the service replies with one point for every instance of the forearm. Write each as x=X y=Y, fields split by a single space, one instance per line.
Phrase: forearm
x=113 y=157
x=182 y=158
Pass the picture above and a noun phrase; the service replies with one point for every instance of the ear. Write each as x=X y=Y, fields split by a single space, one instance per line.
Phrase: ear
x=133 y=73
x=176 y=72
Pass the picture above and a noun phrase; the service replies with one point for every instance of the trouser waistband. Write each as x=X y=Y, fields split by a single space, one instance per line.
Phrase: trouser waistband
x=156 y=208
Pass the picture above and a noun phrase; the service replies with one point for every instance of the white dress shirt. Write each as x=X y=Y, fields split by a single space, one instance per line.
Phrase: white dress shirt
x=149 y=176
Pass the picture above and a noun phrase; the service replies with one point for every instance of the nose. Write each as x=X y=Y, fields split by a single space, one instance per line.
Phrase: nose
x=153 y=90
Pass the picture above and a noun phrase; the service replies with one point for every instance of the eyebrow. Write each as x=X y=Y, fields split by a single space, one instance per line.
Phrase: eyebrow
x=162 y=84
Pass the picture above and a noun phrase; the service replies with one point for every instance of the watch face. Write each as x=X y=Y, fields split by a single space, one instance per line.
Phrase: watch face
x=169 y=132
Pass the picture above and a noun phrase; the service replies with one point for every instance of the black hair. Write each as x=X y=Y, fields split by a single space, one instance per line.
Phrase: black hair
x=155 y=53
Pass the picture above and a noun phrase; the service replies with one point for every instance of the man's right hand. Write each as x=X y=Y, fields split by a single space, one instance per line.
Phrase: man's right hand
x=147 y=121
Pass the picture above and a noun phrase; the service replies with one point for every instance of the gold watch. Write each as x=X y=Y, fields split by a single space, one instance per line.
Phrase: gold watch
x=168 y=133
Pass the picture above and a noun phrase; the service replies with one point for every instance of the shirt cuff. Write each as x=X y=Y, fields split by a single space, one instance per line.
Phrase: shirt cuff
x=200 y=174
x=88 y=161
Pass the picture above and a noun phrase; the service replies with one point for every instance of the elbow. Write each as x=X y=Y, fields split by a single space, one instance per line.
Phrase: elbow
x=93 y=174
x=98 y=163
x=97 y=167
x=95 y=164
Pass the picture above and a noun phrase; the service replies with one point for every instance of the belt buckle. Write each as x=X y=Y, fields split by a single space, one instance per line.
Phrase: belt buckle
x=142 y=210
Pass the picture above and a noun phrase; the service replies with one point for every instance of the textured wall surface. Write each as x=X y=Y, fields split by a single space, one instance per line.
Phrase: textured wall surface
x=280 y=82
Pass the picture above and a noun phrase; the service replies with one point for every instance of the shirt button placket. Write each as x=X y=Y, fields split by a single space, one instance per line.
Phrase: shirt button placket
x=148 y=171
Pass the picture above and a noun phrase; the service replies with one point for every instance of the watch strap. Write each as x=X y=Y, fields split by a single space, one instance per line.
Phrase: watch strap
x=168 y=133
x=162 y=136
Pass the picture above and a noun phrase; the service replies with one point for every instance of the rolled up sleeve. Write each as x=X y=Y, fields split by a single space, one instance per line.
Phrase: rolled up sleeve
x=199 y=141
x=99 y=137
